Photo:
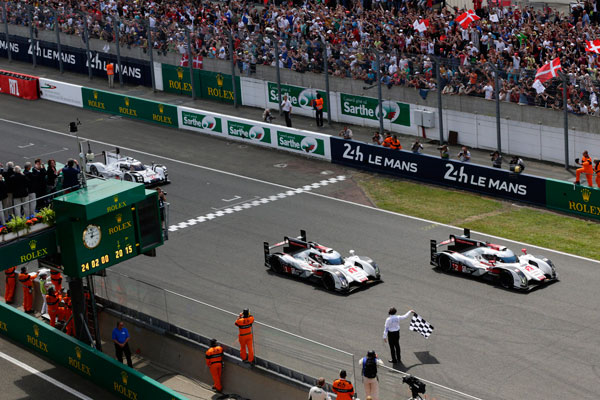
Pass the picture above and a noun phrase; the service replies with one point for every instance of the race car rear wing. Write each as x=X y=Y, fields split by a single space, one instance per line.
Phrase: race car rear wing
x=293 y=245
x=454 y=243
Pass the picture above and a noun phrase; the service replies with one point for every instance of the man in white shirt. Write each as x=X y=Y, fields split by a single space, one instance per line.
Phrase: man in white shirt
x=286 y=107
x=391 y=333
x=318 y=392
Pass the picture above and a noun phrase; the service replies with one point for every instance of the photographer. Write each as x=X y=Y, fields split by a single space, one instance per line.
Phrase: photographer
x=496 y=159
x=516 y=165
x=444 y=154
x=464 y=155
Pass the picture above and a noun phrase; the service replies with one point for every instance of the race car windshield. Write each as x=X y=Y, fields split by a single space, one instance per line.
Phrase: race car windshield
x=509 y=259
x=333 y=261
x=138 y=167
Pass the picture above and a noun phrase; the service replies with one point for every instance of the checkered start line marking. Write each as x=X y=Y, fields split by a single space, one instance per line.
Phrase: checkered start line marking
x=254 y=203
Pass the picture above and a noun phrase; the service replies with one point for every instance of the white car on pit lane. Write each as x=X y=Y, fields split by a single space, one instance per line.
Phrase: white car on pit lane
x=128 y=169
x=483 y=259
x=310 y=260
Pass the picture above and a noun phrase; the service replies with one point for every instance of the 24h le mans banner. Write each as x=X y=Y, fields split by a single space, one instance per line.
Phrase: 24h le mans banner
x=368 y=107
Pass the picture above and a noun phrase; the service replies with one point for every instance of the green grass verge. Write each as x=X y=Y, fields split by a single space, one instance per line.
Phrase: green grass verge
x=495 y=217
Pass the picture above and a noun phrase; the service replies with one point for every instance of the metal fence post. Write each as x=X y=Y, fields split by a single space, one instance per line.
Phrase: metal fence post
x=151 y=54
x=56 y=28
x=276 y=43
x=190 y=62
x=326 y=70
x=118 y=26
x=566 y=118
x=86 y=38
x=5 y=15
x=379 y=95
x=439 y=98
x=497 y=93
x=232 y=55
x=33 y=43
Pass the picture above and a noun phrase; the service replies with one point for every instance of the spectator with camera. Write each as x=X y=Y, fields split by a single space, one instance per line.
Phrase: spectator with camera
x=496 y=159
x=516 y=165
x=370 y=380
x=464 y=154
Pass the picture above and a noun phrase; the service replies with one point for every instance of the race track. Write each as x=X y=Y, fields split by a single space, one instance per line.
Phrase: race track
x=488 y=342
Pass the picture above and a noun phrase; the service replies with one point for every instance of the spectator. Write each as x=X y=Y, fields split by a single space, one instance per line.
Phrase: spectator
x=71 y=174
x=51 y=176
x=318 y=392
x=346 y=133
x=370 y=380
x=3 y=196
x=395 y=145
x=39 y=183
x=44 y=285
x=444 y=154
x=376 y=138
x=416 y=147
x=7 y=202
x=586 y=168
x=286 y=106
x=267 y=116
x=516 y=165
x=496 y=159
x=343 y=388
x=120 y=337
x=29 y=205
x=464 y=154
x=597 y=171
x=20 y=191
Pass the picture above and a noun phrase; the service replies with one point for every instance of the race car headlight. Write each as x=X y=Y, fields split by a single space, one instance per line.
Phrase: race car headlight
x=343 y=280
x=549 y=262
x=522 y=277
x=375 y=267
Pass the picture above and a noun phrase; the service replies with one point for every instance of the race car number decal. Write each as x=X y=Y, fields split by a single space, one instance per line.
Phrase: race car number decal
x=352 y=270
x=529 y=268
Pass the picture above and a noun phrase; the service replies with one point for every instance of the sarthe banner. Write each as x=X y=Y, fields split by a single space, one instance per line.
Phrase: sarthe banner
x=135 y=72
x=422 y=167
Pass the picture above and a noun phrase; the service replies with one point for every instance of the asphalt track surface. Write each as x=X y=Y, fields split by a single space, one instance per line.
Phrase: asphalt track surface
x=488 y=342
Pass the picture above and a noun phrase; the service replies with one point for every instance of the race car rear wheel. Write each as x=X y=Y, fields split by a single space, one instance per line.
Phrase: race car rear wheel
x=328 y=281
x=444 y=263
x=94 y=170
x=506 y=280
x=275 y=265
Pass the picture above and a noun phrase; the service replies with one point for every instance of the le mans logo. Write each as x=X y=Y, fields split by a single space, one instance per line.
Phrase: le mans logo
x=586 y=195
x=121 y=387
x=77 y=364
x=35 y=340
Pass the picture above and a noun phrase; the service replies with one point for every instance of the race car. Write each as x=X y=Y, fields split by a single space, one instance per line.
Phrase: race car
x=127 y=169
x=310 y=260
x=483 y=259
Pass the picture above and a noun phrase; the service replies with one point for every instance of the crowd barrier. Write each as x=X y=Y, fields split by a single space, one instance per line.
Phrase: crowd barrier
x=19 y=85
x=116 y=378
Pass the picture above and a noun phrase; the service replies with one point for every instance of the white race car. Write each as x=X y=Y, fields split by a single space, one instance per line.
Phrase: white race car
x=128 y=169
x=312 y=261
x=483 y=259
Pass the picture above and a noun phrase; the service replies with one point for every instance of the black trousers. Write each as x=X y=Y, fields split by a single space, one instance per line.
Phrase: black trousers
x=319 y=117
x=394 y=342
x=125 y=349
x=288 y=120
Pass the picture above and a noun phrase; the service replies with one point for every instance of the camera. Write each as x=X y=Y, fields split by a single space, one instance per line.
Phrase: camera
x=415 y=385
x=577 y=161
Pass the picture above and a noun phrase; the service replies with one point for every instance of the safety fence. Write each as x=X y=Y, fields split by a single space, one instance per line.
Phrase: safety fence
x=296 y=353
x=113 y=376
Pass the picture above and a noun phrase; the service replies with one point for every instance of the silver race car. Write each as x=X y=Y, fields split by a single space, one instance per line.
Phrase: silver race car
x=310 y=260
x=128 y=169
x=483 y=259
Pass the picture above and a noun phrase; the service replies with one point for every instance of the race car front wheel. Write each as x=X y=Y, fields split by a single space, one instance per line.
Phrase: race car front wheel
x=328 y=281
x=506 y=280
x=94 y=170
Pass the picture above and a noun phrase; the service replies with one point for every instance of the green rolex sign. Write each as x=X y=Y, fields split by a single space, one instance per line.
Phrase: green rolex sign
x=209 y=85
x=367 y=107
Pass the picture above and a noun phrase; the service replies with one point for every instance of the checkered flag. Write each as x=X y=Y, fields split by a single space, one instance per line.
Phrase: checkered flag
x=418 y=324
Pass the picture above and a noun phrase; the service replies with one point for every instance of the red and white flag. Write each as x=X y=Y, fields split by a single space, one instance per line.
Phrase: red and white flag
x=197 y=61
x=465 y=19
x=548 y=71
x=184 y=60
x=593 y=46
x=421 y=25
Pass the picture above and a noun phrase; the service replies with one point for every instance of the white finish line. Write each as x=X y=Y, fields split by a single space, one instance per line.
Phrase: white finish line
x=44 y=377
x=254 y=203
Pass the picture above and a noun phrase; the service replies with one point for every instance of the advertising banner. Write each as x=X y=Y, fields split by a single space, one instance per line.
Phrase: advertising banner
x=477 y=178
x=574 y=199
x=135 y=72
x=258 y=133
x=209 y=85
x=132 y=107
x=304 y=143
x=28 y=249
x=61 y=92
x=201 y=121
x=113 y=376
x=19 y=85
x=368 y=107
x=301 y=98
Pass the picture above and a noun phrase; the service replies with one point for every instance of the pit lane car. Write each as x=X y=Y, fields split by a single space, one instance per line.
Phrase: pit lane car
x=127 y=169
x=483 y=259
x=310 y=260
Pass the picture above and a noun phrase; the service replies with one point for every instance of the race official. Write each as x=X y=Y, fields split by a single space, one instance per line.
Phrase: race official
x=52 y=299
x=586 y=168
x=56 y=278
x=27 y=282
x=11 y=282
x=286 y=107
x=342 y=387
x=391 y=333
x=318 y=392
x=120 y=337
x=214 y=360
x=244 y=323
x=110 y=72
x=318 y=102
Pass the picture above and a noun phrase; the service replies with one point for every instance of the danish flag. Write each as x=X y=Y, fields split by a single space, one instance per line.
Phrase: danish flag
x=197 y=61
x=421 y=25
x=548 y=71
x=465 y=19
x=593 y=46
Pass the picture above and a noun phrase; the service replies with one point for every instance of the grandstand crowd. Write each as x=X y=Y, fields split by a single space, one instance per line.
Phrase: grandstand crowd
x=516 y=41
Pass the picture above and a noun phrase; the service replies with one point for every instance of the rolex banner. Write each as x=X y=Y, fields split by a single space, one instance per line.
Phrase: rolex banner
x=209 y=85
x=575 y=199
x=93 y=365
x=132 y=107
